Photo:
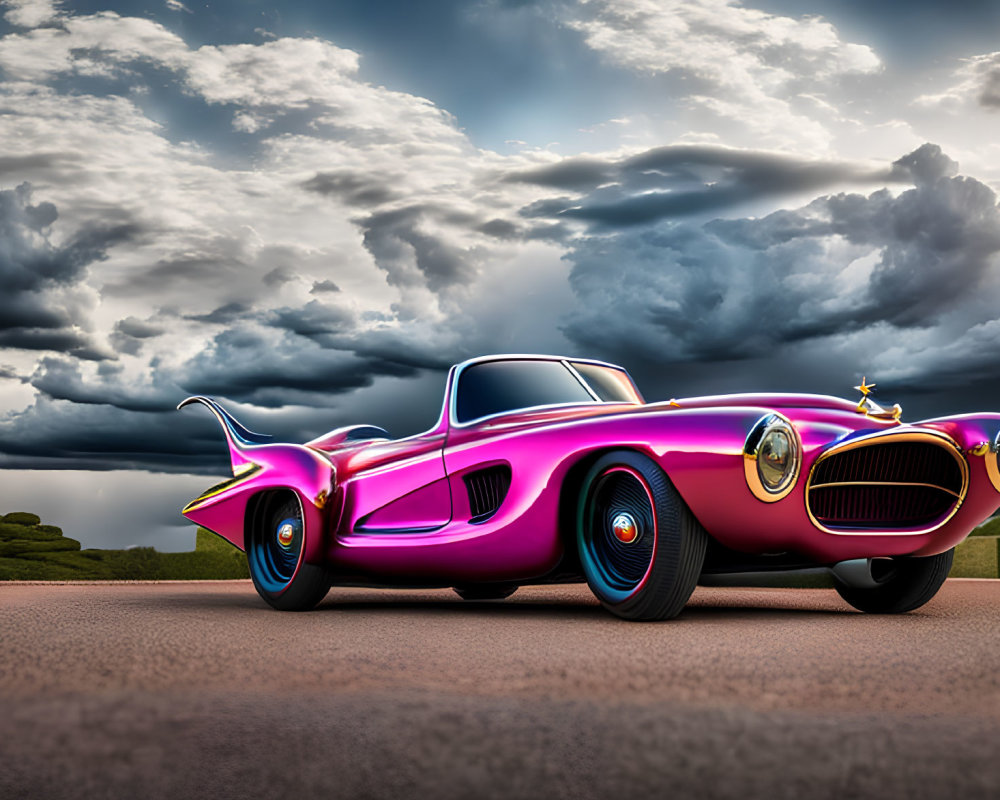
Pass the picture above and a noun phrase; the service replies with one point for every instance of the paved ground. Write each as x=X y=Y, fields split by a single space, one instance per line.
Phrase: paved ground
x=199 y=690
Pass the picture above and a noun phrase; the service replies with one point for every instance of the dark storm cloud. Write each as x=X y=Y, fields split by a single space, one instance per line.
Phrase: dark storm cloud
x=222 y=315
x=989 y=95
x=411 y=256
x=137 y=328
x=56 y=434
x=354 y=189
x=738 y=289
x=28 y=311
x=926 y=164
x=59 y=378
x=500 y=229
x=221 y=267
x=62 y=340
x=129 y=333
x=679 y=180
x=35 y=161
x=405 y=354
x=936 y=242
x=107 y=422
x=31 y=267
x=569 y=173
x=313 y=320
x=268 y=370
x=28 y=261
x=319 y=287
x=278 y=276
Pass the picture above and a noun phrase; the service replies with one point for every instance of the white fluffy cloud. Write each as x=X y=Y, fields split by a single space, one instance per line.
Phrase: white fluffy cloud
x=975 y=83
x=29 y=13
x=763 y=70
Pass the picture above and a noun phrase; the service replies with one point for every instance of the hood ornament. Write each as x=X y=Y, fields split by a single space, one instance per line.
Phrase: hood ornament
x=870 y=408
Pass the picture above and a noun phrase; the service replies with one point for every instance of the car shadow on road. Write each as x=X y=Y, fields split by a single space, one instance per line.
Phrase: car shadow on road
x=715 y=607
x=564 y=609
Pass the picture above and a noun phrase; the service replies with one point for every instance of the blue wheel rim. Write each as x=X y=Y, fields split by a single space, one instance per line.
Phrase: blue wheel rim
x=616 y=563
x=275 y=548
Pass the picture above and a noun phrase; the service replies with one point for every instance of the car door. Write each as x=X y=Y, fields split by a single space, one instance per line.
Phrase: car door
x=397 y=487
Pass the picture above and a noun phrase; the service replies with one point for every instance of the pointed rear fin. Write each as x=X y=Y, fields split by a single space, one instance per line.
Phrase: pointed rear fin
x=238 y=437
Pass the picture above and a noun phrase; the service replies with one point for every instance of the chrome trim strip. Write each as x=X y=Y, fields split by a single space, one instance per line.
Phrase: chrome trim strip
x=583 y=383
x=246 y=472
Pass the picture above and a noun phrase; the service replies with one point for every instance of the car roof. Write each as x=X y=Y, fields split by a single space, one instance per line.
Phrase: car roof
x=448 y=411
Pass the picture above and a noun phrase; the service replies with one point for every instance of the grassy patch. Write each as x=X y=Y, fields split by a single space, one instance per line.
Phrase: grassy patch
x=977 y=557
x=36 y=552
x=989 y=528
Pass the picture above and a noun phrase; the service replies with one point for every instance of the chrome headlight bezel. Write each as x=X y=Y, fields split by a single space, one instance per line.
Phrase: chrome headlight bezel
x=770 y=428
x=992 y=459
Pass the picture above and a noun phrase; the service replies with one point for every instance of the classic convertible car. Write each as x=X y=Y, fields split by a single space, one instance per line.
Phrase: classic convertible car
x=543 y=469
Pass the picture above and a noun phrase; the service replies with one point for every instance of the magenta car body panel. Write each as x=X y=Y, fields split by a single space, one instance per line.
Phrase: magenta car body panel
x=493 y=497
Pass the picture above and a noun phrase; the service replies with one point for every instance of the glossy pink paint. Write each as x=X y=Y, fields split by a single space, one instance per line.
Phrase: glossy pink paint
x=396 y=512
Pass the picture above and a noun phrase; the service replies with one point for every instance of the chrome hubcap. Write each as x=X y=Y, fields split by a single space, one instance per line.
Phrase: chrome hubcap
x=624 y=528
x=285 y=535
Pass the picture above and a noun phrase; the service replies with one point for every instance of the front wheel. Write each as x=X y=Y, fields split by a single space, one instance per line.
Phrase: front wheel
x=275 y=541
x=903 y=584
x=640 y=546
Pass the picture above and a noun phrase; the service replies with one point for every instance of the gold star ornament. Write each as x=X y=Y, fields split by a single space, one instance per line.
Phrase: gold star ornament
x=865 y=389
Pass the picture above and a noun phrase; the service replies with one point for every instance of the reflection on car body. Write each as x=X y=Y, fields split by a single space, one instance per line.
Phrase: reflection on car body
x=544 y=469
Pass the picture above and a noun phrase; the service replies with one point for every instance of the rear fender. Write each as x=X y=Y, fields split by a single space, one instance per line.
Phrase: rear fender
x=258 y=468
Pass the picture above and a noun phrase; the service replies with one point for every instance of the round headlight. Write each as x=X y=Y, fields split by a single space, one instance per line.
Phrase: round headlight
x=774 y=459
x=771 y=458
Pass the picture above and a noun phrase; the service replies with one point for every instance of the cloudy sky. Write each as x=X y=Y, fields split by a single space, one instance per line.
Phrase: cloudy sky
x=309 y=210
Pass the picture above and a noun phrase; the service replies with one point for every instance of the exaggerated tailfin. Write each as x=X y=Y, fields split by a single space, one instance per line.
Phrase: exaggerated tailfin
x=239 y=438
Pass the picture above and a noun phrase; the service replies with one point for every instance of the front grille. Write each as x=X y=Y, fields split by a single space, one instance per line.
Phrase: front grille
x=487 y=488
x=886 y=485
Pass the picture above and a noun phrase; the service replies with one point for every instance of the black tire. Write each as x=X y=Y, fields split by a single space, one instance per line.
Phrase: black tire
x=486 y=591
x=279 y=575
x=905 y=584
x=651 y=576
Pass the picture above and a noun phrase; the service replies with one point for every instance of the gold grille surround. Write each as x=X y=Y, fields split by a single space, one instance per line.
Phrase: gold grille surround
x=936 y=438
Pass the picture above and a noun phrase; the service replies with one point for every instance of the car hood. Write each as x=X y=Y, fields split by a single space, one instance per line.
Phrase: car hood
x=761 y=399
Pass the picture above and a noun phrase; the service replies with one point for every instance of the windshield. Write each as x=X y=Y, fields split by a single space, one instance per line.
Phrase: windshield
x=494 y=387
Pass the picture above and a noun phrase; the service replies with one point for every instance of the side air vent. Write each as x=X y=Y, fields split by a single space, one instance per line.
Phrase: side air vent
x=487 y=488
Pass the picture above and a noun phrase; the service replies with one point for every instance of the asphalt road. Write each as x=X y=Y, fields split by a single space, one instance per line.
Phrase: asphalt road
x=180 y=690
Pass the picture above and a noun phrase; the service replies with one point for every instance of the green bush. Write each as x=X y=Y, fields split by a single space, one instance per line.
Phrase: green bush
x=32 y=551
x=21 y=518
x=16 y=547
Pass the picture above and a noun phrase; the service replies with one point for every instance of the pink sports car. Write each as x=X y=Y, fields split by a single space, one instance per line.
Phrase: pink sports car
x=543 y=469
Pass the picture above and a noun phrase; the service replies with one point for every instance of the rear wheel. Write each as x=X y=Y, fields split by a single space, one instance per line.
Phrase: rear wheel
x=903 y=584
x=274 y=546
x=640 y=546
x=489 y=591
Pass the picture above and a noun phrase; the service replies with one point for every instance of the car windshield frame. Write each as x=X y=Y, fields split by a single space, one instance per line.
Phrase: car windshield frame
x=566 y=363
